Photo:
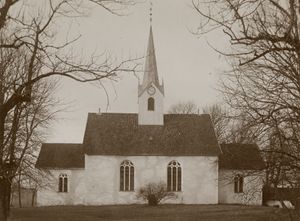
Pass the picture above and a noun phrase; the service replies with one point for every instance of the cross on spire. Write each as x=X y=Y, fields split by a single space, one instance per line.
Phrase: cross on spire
x=151 y=6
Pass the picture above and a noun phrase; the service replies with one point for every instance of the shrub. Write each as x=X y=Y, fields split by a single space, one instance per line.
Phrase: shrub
x=154 y=193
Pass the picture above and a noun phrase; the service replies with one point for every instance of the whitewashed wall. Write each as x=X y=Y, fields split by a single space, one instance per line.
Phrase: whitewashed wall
x=253 y=184
x=49 y=195
x=99 y=183
x=155 y=117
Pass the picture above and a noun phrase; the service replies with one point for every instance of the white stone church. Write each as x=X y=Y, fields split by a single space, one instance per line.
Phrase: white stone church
x=123 y=151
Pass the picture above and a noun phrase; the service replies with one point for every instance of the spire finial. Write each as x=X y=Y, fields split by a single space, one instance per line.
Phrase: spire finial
x=151 y=6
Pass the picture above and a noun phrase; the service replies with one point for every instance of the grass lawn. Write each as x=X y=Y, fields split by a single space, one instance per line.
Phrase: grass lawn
x=145 y=213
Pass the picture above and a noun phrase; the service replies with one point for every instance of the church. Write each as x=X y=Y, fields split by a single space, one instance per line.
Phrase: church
x=122 y=152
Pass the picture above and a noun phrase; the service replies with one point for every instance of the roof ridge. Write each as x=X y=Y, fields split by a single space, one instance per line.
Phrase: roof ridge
x=178 y=114
x=239 y=144
x=63 y=143
x=135 y=113
x=104 y=113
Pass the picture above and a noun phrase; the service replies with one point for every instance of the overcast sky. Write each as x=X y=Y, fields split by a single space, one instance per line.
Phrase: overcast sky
x=189 y=67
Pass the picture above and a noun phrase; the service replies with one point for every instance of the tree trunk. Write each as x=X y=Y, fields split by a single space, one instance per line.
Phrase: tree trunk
x=3 y=191
x=2 y=207
x=19 y=191
x=5 y=174
x=33 y=198
x=8 y=196
x=5 y=199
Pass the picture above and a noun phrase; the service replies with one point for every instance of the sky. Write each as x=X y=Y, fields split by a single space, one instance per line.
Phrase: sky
x=189 y=67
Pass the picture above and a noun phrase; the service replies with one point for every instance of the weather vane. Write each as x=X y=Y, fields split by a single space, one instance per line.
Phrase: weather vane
x=151 y=5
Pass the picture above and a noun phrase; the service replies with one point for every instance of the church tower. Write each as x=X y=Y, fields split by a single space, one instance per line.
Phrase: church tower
x=151 y=92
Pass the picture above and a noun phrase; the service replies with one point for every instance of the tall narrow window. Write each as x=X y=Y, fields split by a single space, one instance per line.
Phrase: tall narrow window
x=174 y=174
x=238 y=184
x=63 y=183
x=151 y=104
x=126 y=176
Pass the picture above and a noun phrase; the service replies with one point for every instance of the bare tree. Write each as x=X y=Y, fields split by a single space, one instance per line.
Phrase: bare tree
x=23 y=124
x=264 y=38
x=28 y=32
x=228 y=127
x=264 y=83
x=220 y=121
x=33 y=120
x=16 y=15
x=184 y=108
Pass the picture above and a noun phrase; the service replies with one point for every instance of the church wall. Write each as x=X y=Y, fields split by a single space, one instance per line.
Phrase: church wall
x=199 y=178
x=99 y=182
x=49 y=195
x=252 y=188
x=151 y=117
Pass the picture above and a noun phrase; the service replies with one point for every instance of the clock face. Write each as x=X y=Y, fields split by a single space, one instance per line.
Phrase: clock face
x=151 y=90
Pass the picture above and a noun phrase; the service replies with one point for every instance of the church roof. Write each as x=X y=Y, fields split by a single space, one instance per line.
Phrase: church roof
x=60 y=156
x=120 y=134
x=237 y=156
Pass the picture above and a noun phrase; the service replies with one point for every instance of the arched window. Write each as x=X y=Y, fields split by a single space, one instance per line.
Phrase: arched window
x=63 y=183
x=238 y=184
x=151 y=104
x=174 y=176
x=126 y=176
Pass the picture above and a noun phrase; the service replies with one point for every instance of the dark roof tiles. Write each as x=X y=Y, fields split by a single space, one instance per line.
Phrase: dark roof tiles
x=237 y=156
x=120 y=134
x=60 y=156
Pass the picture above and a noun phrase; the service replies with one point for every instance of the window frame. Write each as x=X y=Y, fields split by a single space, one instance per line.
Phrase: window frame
x=127 y=176
x=238 y=183
x=63 y=183
x=151 y=104
x=174 y=176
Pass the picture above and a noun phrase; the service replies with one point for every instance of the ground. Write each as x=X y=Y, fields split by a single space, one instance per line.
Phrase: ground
x=147 y=213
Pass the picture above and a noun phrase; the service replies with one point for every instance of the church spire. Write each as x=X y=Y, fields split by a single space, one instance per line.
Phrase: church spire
x=150 y=71
x=151 y=92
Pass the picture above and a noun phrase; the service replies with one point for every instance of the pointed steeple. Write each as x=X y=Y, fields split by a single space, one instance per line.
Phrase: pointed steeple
x=151 y=92
x=150 y=69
